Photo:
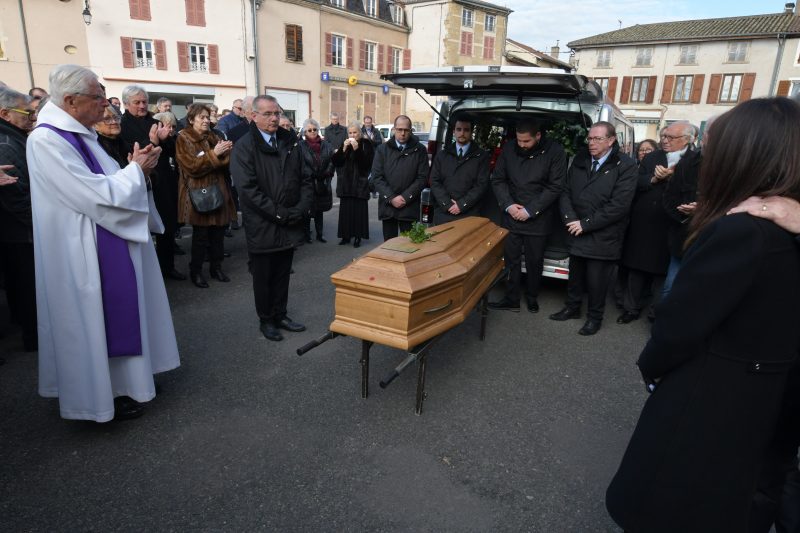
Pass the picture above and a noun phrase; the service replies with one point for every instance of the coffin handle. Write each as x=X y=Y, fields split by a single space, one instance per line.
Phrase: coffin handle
x=440 y=308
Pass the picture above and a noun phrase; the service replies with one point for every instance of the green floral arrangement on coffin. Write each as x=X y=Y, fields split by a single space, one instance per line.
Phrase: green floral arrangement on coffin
x=570 y=136
x=418 y=233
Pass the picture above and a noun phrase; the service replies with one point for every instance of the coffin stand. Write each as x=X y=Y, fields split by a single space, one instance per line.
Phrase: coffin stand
x=406 y=295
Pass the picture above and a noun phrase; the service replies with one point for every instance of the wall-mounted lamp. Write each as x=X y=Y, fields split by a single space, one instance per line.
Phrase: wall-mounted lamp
x=87 y=15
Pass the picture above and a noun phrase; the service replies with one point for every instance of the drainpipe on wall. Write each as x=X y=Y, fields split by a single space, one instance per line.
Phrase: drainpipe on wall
x=25 y=40
x=781 y=45
x=256 y=4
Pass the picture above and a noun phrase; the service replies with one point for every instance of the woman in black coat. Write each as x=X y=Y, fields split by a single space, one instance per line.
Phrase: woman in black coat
x=723 y=343
x=353 y=161
x=316 y=154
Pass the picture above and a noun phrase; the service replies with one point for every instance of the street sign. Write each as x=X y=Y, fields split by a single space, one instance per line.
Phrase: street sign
x=326 y=76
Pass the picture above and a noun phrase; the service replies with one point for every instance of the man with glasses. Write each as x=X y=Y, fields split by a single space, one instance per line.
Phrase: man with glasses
x=595 y=204
x=236 y=117
x=275 y=196
x=105 y=326
x=399 y=171
x=16 y=225
x=527 y=183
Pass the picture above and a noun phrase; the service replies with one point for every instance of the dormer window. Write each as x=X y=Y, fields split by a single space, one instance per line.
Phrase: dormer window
x=371 y=8
x=337 y=3
x=397 y=13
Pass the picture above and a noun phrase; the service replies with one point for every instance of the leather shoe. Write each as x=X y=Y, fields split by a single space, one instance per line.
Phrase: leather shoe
x=271 y=332
x=627 y=317
x=357 y=243
x=126 y=408
x=219 y=275
x=199 y=280
x=533 y=306
x=174 y=274
x=505 y=305
x=344 y=241
x=226 y=254
x=321 y=239
x=309 y=240
x=289 y=325
x=566 y=314
x=590 y=327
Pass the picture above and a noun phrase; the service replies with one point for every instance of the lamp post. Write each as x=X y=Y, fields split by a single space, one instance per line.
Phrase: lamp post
x=87 y=15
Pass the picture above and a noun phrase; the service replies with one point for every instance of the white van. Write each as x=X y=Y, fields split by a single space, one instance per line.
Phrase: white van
x=495 y=98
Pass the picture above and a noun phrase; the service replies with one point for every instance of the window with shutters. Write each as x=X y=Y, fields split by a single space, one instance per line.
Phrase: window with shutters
x=395 y=106
x=466 y=44
x=370 y=104
x=397 y=13
x=195 y=12
x=143 y=53
x=337 y=3
x=467 y=17
x=339 y=103
x=488 y=47
x=737 y=51
x=371 y=56
x=294 y=42
x=490 y=22
x=338 y=50
x=644 y=57
x=639 y=89
x=730 y=88
x=604 y=58
x=397 y=59
x=688 y=55
x=683 y=89
x=139 y=9
x=603 y=83
x=371 y=8
x=198 y=58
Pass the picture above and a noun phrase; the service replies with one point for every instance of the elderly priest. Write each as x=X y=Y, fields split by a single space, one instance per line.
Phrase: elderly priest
x=104 y=320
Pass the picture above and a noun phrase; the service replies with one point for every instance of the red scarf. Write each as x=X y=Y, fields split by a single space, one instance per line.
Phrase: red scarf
x=316 y=146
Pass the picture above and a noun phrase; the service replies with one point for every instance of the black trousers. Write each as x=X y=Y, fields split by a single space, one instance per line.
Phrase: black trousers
x=591 y=276
x=638 y=282
x=211 y=238
x=20 y=279
x=392 y=227
x=317 y=216
x=165 y=249
x=533 y=245
x=271 y=274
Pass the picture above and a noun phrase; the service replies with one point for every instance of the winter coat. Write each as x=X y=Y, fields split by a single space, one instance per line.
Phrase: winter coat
x=681 y=189
x=602 y=203
x=374 y=136
x=402 y=173
x=117 y=147
x=16 y=222
x=274 y=194
x=321 y=174
x=465 y=180
x=354 y=167
x=722 y=346
x=200 y=167
x=137 y=129
x=532 y=178
x=335 y=135
x=645 y=246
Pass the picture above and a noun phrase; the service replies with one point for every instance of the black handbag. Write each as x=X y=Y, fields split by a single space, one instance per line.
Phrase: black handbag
x=206 y=199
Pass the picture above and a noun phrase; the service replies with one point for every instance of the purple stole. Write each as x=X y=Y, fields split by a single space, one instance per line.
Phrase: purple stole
x=117 y=275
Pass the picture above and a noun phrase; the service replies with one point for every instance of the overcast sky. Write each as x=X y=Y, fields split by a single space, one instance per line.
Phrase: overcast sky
x=539 y=23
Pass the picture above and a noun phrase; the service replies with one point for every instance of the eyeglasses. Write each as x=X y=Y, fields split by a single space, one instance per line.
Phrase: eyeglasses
x=645 y=150
x=95 y=97
x=112 y=120
x=672 y=137
x=31 y=114
x=266 y=114
x=595 y=139
x=402 y=130
x=311 y=129
x=237 y=107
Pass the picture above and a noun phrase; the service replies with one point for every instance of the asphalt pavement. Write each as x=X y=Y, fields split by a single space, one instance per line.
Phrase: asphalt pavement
x=520 y=432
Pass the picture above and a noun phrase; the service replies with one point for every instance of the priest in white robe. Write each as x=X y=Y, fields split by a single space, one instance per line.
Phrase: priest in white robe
x=104 y=319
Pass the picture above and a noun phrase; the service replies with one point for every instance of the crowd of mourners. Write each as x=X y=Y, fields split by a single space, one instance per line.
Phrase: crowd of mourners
x=701 y=235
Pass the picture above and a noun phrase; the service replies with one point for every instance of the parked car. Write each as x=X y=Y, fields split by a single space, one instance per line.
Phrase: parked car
x=495 y=98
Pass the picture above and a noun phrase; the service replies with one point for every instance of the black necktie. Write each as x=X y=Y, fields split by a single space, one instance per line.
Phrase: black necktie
x=594 y=168
x=402 y=147
x=460 y=152
x=272 y=141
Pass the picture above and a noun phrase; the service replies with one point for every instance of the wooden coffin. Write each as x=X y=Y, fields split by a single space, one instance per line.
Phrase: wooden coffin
x=401 y=294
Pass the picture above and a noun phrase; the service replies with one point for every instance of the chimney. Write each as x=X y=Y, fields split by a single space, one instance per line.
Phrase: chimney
x=554 y=50
x=789 y=8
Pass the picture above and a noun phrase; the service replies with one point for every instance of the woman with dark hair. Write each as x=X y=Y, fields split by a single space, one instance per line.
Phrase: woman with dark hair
x=647 y=146
x=317 y=163
x=353 y=160
x=108 y=136
x=203 y=160
x=724 y=341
